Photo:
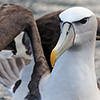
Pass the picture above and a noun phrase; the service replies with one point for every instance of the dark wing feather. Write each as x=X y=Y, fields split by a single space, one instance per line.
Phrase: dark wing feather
x=49 y=29
x=12 y=47
x=98 y=30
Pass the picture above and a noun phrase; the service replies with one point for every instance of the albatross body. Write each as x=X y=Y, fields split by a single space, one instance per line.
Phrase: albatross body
x=73 y=76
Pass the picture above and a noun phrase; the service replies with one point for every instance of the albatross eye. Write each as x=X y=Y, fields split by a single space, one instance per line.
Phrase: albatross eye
x=83 y=21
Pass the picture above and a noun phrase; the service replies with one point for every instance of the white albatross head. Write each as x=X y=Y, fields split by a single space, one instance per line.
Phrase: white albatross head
x=78 y=25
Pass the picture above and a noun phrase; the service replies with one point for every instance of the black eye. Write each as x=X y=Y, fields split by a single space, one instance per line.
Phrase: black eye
x=83 y=21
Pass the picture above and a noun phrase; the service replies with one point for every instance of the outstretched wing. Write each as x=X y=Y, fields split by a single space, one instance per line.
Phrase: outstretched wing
x=10 y=67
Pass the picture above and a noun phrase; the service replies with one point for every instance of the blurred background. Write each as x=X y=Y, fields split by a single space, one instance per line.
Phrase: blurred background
x=42 y=7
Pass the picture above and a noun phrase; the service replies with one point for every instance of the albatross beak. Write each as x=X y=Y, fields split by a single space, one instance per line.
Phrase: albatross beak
x=65 y=41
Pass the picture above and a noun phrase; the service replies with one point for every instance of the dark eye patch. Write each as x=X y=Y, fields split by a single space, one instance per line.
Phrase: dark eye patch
x=82 y=21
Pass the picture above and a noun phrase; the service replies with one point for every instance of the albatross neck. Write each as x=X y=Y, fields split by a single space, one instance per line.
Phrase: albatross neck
x=77 y=60
x=73 y=76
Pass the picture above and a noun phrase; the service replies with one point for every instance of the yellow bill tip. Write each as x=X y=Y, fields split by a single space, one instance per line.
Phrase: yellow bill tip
x=53 y=57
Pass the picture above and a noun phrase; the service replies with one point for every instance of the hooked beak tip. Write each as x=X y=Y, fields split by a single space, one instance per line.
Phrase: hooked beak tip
x=53 y=57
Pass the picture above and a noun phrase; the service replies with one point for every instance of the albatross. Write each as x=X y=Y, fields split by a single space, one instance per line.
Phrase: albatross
x=26 y=22
x=73 y=76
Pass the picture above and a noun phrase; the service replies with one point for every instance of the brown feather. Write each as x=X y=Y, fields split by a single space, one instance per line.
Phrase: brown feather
x=13 y=20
